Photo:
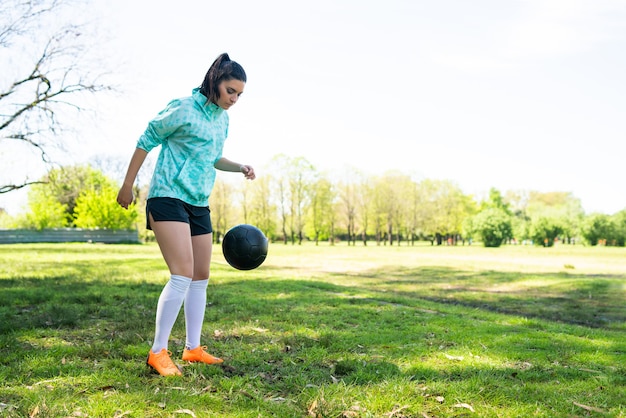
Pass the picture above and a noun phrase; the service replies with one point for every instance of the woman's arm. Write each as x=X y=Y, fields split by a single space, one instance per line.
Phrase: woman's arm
x=225 y=164
x=125 y=196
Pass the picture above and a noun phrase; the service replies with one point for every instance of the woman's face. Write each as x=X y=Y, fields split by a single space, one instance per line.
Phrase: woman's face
x=229 y=91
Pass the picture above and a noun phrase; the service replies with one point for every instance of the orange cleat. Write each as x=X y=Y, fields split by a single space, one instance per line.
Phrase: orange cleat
x=199 y=354
x=162 y=363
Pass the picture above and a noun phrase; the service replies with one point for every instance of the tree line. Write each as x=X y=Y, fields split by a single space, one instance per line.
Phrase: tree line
x=294 y=202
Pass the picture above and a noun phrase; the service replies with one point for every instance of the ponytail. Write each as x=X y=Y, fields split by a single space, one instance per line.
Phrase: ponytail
x=222 y=69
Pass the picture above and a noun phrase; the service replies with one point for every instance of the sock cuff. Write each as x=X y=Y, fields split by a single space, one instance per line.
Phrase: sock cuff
x=199 y=284
x=180 y=283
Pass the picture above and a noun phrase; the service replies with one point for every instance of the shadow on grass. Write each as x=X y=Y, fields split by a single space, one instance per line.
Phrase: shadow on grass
x=284 y=337
x=589 y=300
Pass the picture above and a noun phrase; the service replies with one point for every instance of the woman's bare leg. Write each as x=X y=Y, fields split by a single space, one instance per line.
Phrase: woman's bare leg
x=175 y=242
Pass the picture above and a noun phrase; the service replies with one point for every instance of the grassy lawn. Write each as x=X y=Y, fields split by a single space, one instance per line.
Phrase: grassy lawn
x=320 y=332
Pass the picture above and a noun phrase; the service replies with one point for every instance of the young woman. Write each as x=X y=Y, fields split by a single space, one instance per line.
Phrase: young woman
x=191 y=132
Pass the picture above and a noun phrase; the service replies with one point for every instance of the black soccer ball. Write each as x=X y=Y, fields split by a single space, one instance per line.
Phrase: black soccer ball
x=244 y=247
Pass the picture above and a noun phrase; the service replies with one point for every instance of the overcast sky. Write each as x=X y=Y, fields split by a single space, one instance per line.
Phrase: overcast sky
x=516 y=95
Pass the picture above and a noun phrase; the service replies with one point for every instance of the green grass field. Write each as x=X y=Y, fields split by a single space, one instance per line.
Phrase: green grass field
x=320 y=332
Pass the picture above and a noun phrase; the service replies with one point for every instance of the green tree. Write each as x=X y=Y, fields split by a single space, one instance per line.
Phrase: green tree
x=492 y=226
x=547 y=214
x=444 y=208
x=413 y=203
x=404 y=221
x=619 y=220
x=347 y=204
x=67 y=183
x=263 y=210
x=301 y=174
x=44 y=210
x=496 y=201
x=545 y=229
x=381 y=208
x=596 y=228
x=222 y=208
x=282 y=194
x=76 y=196
x=363 y=205
x=98 y=208
x=321 y=210
x=388 y=205
x=6 y=220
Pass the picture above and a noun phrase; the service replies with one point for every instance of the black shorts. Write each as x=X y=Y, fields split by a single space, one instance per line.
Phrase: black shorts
x=170 y=209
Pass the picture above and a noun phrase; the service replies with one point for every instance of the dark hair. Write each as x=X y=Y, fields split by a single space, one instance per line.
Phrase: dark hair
x=222 y=69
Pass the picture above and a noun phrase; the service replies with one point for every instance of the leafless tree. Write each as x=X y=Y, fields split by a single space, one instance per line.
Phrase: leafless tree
x=47 y=73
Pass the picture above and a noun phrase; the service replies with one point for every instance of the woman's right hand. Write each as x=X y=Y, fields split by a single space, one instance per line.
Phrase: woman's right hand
x=125 y=197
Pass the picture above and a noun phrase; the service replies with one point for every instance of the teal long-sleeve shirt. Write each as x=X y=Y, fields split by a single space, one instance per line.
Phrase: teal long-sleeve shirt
x=191 y=133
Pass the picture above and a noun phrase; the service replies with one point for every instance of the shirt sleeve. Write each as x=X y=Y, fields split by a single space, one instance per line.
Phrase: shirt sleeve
x=162 y=126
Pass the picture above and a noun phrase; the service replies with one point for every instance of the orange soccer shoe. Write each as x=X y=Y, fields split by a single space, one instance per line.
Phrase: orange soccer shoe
x=162 y=363
x=199 y=354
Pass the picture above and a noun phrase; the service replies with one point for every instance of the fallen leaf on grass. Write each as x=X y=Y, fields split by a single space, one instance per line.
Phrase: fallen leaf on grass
x=589 y=408
x=396 y=411
x=119 y=414
x=455 y=358
x=464 y=405
x=246 y=394
x=354 y=411
x=34 y=412
x=185 y=411
x=278 y=399
x=440 y=399
x=43 y=382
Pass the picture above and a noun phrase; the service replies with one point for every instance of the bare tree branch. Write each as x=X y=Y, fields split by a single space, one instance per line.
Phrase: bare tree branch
x=12 y=187
x=33 y=106
x=28 y=12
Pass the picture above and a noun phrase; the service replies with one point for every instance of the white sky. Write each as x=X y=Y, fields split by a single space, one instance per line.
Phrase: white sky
x=516 y=95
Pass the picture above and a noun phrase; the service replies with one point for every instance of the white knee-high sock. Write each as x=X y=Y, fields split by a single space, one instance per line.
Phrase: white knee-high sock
x=170 y=301
x=195 y=304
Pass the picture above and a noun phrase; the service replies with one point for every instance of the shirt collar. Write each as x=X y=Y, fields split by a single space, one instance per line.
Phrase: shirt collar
x=208 y=106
